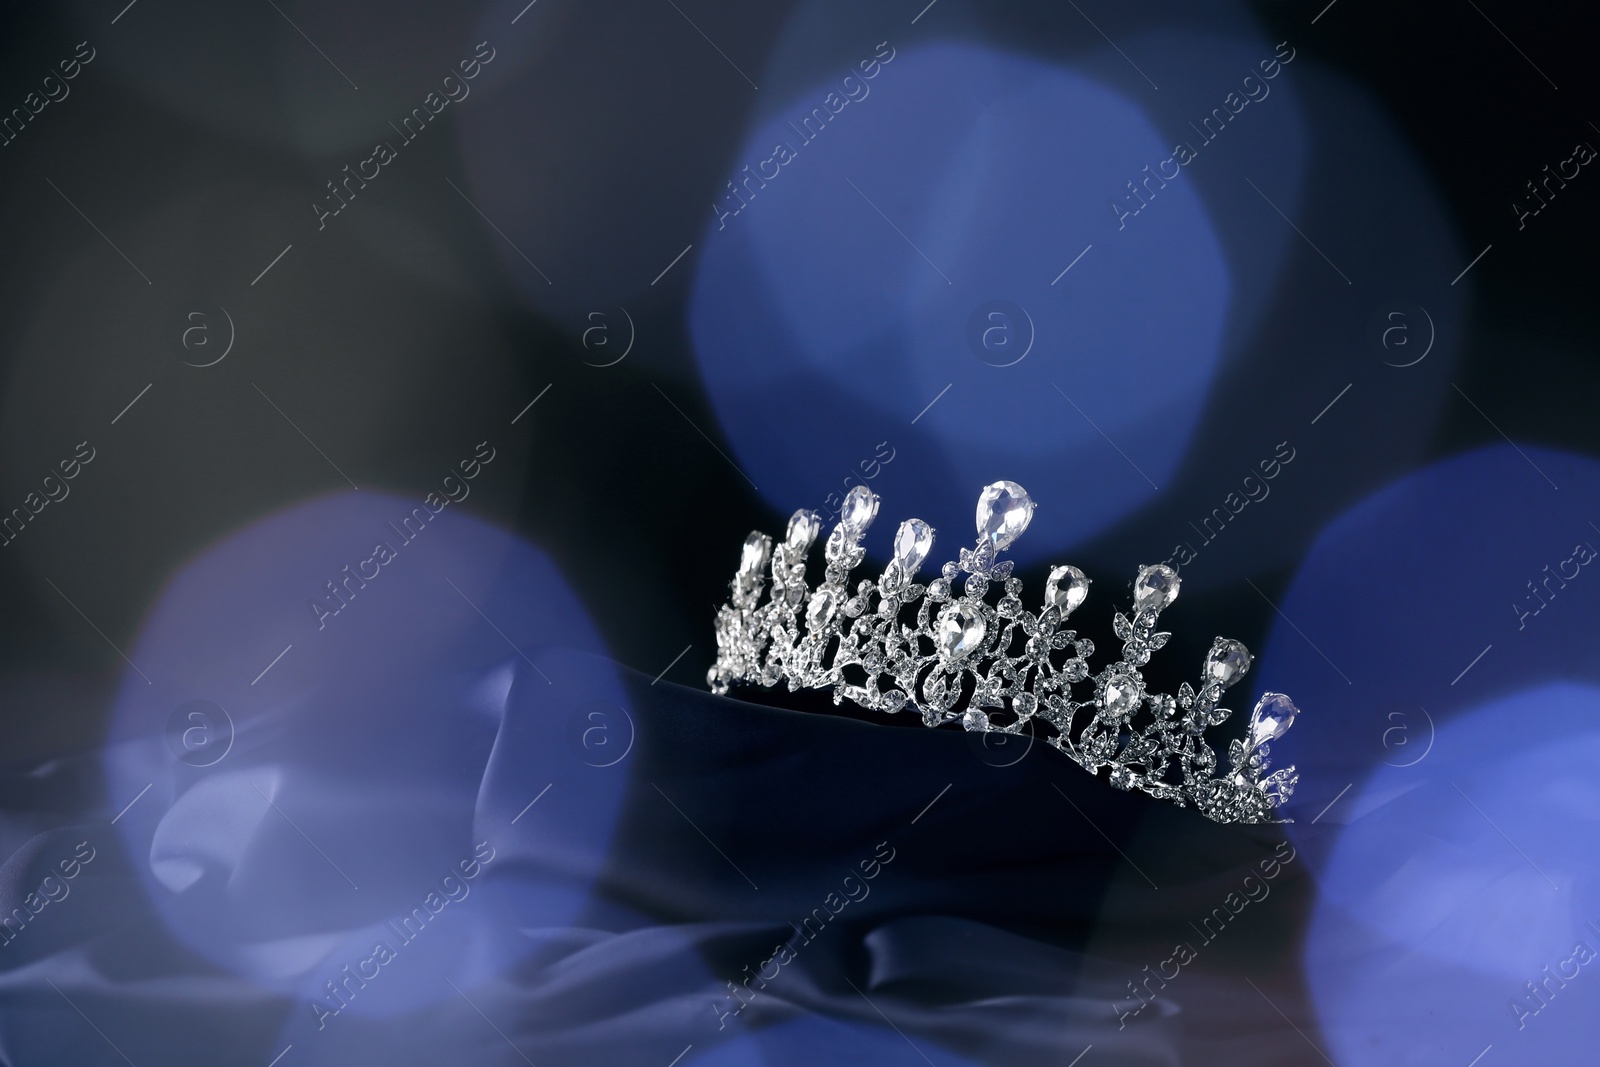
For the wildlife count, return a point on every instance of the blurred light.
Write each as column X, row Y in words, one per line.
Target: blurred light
column 910, row 246
column 298, row 783
column 1411, row 606
column 1461, row 882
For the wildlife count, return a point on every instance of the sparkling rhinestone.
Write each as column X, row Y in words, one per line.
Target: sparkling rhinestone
column 803, row 529
column 1004, row 511
column 1121, row 694
column 859, row 509
column 976, row 585
column 1227, row 662
column 822, row 607
column 1272, row 718
column 1024, row 704
column 978, row 560
column 1099, row 747
column 757, row 550
column 1156, row 587
column 893, row 700
column 939, row 589
column 960, row 631
column 912, row 543
column 1065, row 590
column 975, row 720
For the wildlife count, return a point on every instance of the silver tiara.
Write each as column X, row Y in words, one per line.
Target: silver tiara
column 961, row 661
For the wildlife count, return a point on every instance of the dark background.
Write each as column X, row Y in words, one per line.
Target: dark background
column 394, row 350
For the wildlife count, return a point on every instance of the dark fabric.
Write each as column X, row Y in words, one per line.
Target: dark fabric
column 1001, row 924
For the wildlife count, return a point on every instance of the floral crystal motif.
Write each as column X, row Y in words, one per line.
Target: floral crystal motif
column 995, row 667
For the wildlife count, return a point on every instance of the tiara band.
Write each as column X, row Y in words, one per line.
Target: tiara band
column 960, row 659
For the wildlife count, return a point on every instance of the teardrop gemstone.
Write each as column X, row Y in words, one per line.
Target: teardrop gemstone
column 757, row 550
column 803, row 529
column 1065, row 589
column 912, row 543
column 960, row 631
column 1271, row 719
column 1227, row 662
column 859, row 509
column 1004, row 511
column 1155, row 588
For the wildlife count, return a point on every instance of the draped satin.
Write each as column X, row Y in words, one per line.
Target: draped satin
column 1004, row 930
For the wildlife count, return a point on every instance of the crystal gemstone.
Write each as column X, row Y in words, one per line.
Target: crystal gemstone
column 1004, row 511
column 960, row 631
column 1227, row 662
column 859, row 509
column 1066, row 589
column 1122, row 694
column 1272, row 718
column 912, row 543
column 1155, row 588
column 822, row 607
column 803, row 529
column 757, row 550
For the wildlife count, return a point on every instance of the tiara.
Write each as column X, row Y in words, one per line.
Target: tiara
column 961, row 661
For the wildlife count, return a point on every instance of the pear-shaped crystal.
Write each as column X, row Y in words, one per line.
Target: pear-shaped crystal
column 757, row 550
column 1121, row 694
column 823, row 604
column 912, row 543
column 1272, row 718
column 1227, row 662
column 1155, row 588
column 804, row 526
column 1004, row 511
column 1065, row 590
column 859, row 509
column 960, row 631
